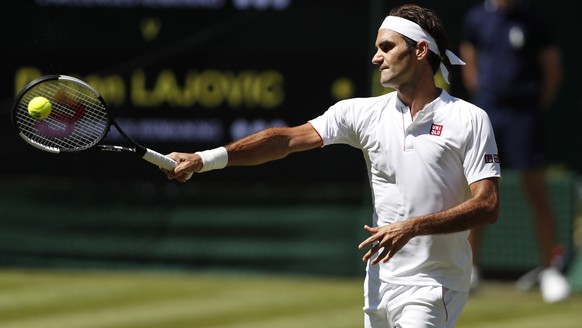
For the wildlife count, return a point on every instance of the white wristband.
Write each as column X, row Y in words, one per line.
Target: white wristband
column 213, row 159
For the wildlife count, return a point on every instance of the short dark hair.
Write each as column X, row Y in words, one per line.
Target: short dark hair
column 429, row 21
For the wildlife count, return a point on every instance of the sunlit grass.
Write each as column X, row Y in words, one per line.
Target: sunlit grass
column 90, row 299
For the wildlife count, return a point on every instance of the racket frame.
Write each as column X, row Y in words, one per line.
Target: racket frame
column 145, row 153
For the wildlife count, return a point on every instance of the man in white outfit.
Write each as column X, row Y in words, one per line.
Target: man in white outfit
column 432, row 166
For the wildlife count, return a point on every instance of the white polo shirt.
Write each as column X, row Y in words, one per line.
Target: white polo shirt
column 416, row 168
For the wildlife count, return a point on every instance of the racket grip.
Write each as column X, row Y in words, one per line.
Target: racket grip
column 158, row 159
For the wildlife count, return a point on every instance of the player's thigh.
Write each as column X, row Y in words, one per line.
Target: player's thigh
column 426, row 307
column 375, row 313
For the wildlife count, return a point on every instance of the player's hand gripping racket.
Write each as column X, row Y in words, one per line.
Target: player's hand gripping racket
column 79, row 120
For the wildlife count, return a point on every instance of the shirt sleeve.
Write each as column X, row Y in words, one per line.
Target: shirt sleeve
column 336, row 125
column 481, row 156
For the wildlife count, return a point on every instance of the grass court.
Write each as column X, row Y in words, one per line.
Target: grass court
column 162, row 299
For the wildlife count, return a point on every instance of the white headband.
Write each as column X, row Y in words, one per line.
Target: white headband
column 416, row 33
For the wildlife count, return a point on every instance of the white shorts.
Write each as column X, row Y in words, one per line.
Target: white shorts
column 401, row 306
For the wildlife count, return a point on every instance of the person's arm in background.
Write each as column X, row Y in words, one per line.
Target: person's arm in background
column 468, row 54
column 550, row 60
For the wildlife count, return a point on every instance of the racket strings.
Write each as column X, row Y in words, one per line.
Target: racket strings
column 78, row 119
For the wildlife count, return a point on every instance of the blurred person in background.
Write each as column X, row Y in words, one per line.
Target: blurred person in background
column 513, row 71
column 432, row 166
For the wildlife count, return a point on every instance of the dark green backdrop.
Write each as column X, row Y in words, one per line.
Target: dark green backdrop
column 303, row 214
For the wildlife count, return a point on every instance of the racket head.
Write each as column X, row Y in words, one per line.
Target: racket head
column 79, row 118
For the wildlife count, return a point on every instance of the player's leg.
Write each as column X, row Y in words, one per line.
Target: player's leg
column 375, row 313
column 425, row 306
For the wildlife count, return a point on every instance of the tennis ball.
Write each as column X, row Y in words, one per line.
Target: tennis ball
column 39, row 108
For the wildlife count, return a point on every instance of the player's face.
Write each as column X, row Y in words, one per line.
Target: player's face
column 394, row 59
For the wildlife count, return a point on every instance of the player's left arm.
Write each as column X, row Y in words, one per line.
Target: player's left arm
column 481, row 208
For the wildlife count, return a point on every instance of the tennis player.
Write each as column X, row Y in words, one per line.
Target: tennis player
column 433, row 169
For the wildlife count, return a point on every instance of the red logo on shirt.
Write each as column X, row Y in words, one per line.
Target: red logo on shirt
column 436, row 130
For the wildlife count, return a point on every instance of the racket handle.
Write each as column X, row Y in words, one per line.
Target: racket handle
column 158, row 159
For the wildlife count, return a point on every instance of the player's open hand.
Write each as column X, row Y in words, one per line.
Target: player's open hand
column 386, row 240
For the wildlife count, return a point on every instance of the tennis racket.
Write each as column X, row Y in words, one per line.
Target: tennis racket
column 79, row 120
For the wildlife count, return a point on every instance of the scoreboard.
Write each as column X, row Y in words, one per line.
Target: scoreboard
column 188, row 75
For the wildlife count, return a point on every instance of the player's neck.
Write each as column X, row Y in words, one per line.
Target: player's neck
column 417, row 98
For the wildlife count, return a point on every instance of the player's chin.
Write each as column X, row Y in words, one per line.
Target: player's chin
column 387, row 79
column 387, row 83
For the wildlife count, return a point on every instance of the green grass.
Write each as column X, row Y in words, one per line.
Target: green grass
column 90, row 299
column 501, row 305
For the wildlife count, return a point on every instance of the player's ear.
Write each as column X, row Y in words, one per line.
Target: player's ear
column 421, row 49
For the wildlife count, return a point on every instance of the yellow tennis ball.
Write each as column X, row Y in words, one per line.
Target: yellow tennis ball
column 39, row 108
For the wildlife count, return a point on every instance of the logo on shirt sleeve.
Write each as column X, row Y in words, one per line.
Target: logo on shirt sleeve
column 436, row 130
column 491, row 158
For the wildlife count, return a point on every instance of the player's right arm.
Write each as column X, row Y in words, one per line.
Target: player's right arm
column 272, row 144
column 258, row 148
